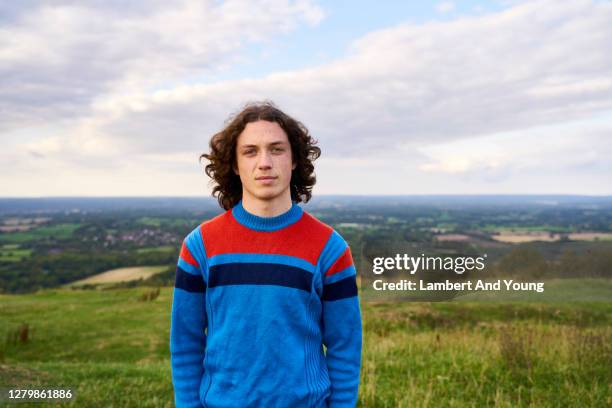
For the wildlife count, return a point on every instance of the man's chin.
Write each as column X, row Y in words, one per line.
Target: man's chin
column 268, row 195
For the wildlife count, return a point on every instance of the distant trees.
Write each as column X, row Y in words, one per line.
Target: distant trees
column 523, row 262
column 592, row 263
column 529, row 263
column 49, row 270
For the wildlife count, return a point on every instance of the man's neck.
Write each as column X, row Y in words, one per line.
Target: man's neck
column 267, row 208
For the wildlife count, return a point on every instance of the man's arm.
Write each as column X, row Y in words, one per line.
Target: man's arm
column 187, row 336
column 341, row 323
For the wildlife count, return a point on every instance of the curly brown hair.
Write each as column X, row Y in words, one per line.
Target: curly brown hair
column 222, row 156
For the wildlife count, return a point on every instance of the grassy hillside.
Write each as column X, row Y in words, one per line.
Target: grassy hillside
column 111, row 348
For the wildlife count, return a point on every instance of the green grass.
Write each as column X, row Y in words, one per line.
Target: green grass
column 163, row 222
column 98, row 325
column 163, row 248
column 149, row 221
column 58, row 231
column 112, row 350
column 14, row 255
column 97, row 384
column 452, row 354
column 524, row 229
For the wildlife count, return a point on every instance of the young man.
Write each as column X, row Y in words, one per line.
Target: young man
column 261, row 288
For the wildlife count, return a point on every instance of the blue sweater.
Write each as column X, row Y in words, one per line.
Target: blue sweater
column 255, row 300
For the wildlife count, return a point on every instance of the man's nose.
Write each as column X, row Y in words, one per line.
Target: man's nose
column 265, row 160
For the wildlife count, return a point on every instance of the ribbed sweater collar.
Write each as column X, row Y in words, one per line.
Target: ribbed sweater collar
column 266, row 223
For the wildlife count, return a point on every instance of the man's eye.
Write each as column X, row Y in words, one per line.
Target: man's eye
column 277, row 150
column 248, row 152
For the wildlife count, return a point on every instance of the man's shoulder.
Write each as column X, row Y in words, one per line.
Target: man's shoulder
column 314, row 224
column 329, row 235
column 216, row 223
column 333, row 244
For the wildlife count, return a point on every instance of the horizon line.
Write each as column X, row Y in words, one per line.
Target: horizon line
column 327, row 195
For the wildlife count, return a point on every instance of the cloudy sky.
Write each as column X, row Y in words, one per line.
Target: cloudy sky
column 119, row 98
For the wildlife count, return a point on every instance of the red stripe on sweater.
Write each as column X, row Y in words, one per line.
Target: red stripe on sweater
column 187, row 257
column 344, row 261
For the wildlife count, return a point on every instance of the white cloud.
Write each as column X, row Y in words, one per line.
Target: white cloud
column 411, row 84
column 445, row 6
column 580, row 147
column 59, row 58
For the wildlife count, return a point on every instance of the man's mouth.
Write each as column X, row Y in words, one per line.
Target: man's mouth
column 265, row 178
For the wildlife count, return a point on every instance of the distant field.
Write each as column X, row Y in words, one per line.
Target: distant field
column 452, row 237
column 58, row 231
column 150, row 221
column 492, row 228
column 163, row 248
column 21, row 224
column 590, row 236
column 161, row 222
column 12, row 253
column 520, row 237
column 113, row 350
column 120, row 275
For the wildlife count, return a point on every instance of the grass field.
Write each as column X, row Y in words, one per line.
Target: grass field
column 57, row 231
column 12, row 253
column 163, row 248
column 513, row 237
column 112, row 349
column 450, row 354
column 120, row 275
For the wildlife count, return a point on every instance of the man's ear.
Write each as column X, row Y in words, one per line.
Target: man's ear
column 235, row 170
column 294, row 165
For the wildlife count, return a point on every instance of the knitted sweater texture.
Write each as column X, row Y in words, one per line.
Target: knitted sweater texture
column 254, row 302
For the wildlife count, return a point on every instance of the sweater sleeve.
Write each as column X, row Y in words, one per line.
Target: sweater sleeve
column 187, row 335
column 341, row 323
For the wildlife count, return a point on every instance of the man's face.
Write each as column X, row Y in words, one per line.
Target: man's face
column 264, row 161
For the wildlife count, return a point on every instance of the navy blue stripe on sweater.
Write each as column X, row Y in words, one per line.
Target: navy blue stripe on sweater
column 189, row 282
column 342, row 289
column 248, row 273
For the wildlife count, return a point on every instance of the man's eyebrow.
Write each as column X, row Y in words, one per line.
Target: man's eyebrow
column 279, row 142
